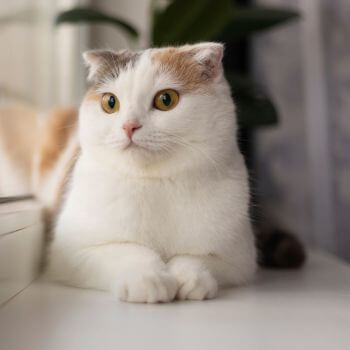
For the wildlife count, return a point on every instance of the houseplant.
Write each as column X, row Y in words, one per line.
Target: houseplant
column 220, row 20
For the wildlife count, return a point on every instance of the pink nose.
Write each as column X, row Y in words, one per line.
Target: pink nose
column 130, row 127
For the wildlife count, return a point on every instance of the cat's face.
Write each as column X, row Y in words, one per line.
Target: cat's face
column 156, row 106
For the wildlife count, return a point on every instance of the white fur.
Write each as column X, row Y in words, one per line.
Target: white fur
column 169, row 217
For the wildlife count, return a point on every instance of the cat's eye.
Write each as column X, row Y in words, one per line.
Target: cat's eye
column 110, row 103
column 166, row 100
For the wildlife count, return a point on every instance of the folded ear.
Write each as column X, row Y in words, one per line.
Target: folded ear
column 95, row 60
column 102, row 63
column 209, row 55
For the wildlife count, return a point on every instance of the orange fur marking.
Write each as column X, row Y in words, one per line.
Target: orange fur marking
column 56, row 135
column 181, row 64
column 92, row 95
column 18, row 136
column 62, row 122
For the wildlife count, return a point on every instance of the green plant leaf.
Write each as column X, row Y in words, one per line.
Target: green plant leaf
column 186, row 21
column 254, row 109
column 88, row 15
column 248, row 20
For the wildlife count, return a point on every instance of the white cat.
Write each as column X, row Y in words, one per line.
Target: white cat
column 156, row 207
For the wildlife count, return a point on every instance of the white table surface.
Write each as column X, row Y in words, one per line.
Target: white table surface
column 306, row 309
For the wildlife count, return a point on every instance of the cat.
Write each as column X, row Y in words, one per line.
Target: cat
column 18, row 132
column 154, row 206
column 49, row 144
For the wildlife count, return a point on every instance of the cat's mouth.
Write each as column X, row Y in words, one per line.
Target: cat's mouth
column 132, row 145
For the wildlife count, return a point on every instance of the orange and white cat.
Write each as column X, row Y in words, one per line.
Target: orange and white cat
column 156, row 203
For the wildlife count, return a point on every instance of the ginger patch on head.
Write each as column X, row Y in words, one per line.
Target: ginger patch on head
column 92, row 95
column 193, row 66
column 181, row 66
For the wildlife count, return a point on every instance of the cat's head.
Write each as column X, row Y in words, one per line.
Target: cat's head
column 159, row 109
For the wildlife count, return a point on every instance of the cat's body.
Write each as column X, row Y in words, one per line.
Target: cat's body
column 171, row 216
column 157, row 209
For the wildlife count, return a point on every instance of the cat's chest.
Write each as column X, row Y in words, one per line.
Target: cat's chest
column 160, row 213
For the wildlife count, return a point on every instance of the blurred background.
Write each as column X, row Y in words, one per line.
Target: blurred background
column 288, row 63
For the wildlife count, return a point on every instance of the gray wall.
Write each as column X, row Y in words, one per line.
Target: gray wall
column 336, row 34
column 303, row 165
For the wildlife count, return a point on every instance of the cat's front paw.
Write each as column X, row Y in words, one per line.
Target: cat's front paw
column 147, row 286
column 195, row 281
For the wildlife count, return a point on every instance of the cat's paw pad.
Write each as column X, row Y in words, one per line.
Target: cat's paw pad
column 147, row 287
column 195, row 283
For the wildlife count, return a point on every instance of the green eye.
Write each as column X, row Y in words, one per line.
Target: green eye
column 110, row 103
column 166, row 100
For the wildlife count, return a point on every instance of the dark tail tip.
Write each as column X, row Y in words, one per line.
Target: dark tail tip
column 280, row 249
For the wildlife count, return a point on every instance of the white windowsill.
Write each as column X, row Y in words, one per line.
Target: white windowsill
column 21, row 237
column 305, row 309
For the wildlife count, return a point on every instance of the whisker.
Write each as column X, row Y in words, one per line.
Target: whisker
column 181, row 141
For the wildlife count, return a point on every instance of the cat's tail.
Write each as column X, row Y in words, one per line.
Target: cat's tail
column 279, row 249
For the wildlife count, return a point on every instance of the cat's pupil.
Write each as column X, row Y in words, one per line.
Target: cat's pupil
column 111, row 102
column 166, row 99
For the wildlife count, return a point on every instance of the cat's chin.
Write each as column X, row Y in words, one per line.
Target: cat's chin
column 137, row 153
column 138, row 160
column 139, row 156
